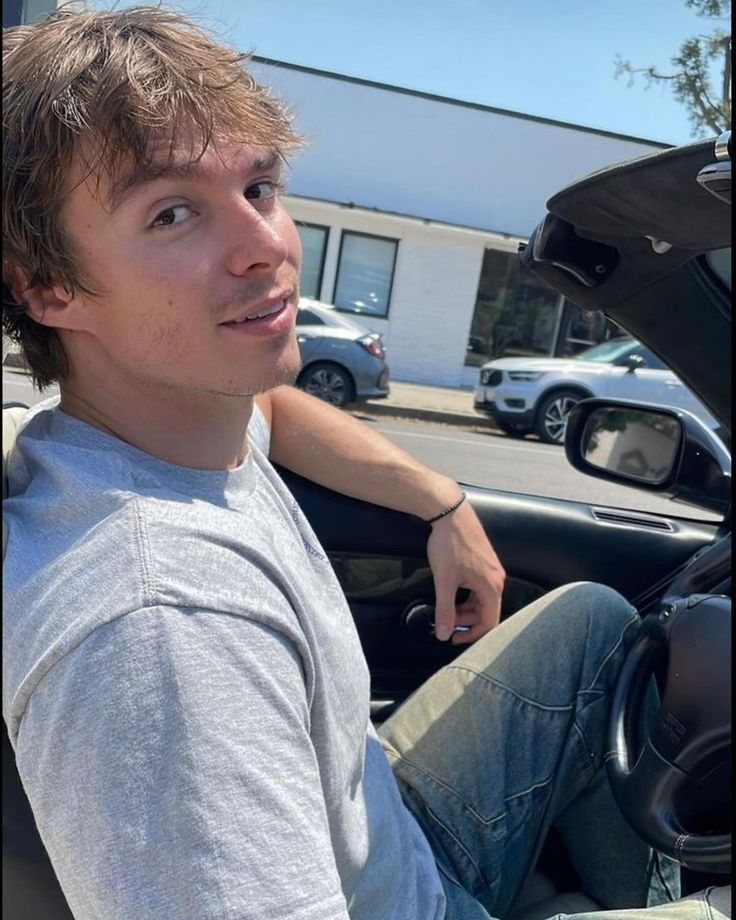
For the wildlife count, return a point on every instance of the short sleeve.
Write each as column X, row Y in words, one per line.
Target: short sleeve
column 170, row 768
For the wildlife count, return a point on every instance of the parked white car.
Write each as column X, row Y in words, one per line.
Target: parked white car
column 525, row 395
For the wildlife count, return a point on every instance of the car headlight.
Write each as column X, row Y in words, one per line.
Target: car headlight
column 490, row 377
column 524, row 376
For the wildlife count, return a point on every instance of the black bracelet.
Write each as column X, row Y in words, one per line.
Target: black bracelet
column 449, row 510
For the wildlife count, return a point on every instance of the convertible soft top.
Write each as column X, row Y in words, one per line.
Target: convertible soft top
column 647, row 197
column 630, row 241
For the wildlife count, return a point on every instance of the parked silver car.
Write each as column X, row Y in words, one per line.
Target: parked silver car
column 525, row 394
column 341, row 360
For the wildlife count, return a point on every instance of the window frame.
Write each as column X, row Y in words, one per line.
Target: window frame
column 321, row 276
column 370, row 236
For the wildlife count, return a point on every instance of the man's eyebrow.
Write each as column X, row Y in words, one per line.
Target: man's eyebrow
column 136, row 180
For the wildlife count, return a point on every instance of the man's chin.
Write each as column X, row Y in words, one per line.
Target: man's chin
column 276, row 377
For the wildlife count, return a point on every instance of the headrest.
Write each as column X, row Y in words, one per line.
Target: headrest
column 13, row 416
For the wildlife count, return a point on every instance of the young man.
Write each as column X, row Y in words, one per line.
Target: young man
column 183, row 684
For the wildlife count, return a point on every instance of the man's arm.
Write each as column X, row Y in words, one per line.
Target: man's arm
column 171, row 771
column 330, row 447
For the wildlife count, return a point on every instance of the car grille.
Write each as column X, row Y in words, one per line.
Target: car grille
column 490, row 378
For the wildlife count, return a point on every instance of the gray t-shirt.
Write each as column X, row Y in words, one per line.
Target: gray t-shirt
column 187, row 697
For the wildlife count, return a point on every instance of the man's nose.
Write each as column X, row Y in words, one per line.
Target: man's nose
column 255, row 241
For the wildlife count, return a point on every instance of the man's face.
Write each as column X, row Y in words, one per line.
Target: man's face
column 199, row 276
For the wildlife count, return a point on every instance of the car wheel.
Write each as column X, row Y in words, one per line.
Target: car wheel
column 512, row 429
column 329, row 382
column 552, row 413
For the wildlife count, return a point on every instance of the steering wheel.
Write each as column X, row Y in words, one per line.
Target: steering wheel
column 673, row 784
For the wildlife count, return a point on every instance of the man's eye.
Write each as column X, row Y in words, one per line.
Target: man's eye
column 173, row 215
column 265, row 190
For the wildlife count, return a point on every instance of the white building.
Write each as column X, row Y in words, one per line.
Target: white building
column 411, row 208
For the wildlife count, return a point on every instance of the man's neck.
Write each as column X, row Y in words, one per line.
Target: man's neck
column 202, row 431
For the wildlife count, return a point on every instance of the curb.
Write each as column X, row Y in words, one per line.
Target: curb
column 461, row 419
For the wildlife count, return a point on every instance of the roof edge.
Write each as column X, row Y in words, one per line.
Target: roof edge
column 449, row 100
column 371, row 210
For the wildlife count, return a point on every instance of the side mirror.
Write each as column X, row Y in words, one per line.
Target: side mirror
column 716, row 177
column 631, row 362
column 655, row 448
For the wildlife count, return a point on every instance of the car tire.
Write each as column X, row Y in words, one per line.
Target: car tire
column 329, row 382
column 512, row 429
column 551, row 417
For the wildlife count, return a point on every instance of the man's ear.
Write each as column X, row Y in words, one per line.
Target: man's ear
column 48, row 306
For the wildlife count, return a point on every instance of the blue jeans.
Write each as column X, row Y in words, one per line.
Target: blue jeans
column 508, row 740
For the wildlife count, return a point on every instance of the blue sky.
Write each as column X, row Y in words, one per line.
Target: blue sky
column 541, row 57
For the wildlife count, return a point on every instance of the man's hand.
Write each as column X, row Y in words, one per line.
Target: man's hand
column 330, row 447
column 461, row 556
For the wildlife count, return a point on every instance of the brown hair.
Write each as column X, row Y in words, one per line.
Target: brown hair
column 106, row 89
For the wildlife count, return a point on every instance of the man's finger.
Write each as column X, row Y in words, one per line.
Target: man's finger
column 444, row 611
column 488, row 610
column 465, row 638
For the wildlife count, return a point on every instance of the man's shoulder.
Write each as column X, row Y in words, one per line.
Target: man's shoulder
column 93, row 536
column 142, row 556
column 81, row 562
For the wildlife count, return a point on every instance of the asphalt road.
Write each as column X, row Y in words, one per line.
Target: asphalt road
column 481, row 458
column 496, row 461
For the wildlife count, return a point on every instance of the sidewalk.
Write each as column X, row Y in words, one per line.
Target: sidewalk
column 433, row 404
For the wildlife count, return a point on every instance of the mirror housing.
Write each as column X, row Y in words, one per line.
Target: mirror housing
column 631, row 362
column 656, row 448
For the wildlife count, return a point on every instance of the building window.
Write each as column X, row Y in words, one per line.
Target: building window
column 365, row 273
column 580, row 329
column 314, row 247
column 515, row 313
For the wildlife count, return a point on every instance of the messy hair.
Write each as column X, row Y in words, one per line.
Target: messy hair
column 107, row 90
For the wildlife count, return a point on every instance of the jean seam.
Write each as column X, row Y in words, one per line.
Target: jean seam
column 562, row 707
column 614, row 649
column 461, row 846
column 453, row 793
column 665, row 884
column 706, row 903
column 484, row 822
column 589, row 758
column 447, row 874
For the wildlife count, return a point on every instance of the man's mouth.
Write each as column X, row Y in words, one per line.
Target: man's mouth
column 270, row 311
column 271, row 316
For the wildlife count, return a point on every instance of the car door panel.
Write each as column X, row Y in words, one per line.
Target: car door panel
column 379, row 558
column 310, row 343
column 657, row 387
column 645, row 384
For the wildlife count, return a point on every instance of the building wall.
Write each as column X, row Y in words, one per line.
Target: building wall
column 384, row 148
column 16, row 12
column 470, row 176
column 433, row 296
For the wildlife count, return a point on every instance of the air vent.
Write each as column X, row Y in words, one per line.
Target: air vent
column 629, row 519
